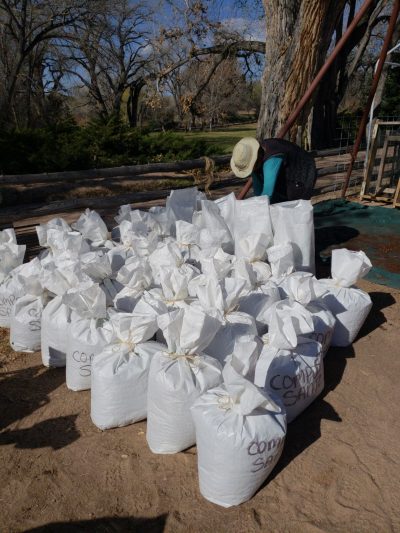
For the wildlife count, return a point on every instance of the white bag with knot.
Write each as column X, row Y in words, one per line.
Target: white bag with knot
column 135, row 277
column 307, row 291
column 58, row 279
column 120, row 371
column 188, row 239
column 97, row 266
column 86, row 334
column 293, row 222
column 11, row 253
column 240, row 434
column 281, row 260
column 169, row 255
column 214, row 232
column 291, row 366
column 92, row 227
column 214, row 263
column 349, row 305
column 221, row 300
column 26, row 316
column 179, row 374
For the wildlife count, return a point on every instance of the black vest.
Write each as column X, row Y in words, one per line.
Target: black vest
column 297, row 174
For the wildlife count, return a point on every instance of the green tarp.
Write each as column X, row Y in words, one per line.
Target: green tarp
column 375, row 230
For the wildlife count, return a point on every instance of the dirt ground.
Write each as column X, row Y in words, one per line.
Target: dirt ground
column 339, row 470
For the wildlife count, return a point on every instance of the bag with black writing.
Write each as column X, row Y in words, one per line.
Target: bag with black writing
column 11, row 259
column 240, row 434
column 290, row 365
column 87, row 334
column 179, row 373
column 221, row 300
column 26, row 316
column 349, row 305
column 120, row 371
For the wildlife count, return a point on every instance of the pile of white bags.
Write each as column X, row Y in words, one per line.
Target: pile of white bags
column 203, row 317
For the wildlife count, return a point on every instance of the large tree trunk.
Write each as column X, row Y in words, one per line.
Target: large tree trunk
column 299, row 33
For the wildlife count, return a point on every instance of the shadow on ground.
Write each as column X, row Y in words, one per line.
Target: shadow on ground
column 106, row 525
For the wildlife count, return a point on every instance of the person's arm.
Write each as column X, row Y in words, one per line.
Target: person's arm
column 271, row 170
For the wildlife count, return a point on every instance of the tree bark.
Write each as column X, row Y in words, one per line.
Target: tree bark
column 299, row 33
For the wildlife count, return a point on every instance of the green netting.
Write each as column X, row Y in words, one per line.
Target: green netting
column 375, row 230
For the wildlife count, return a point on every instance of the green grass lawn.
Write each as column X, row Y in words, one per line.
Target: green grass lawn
column 224, row 139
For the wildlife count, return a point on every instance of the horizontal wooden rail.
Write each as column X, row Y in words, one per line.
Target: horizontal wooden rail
column 132, row 172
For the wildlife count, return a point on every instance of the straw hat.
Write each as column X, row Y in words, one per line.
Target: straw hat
column 244, row 156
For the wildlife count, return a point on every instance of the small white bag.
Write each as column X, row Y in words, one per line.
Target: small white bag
column 92, row 227
column 281, row 260
column 120, row 371
column 240, row 434
column 213, row 230
column 294, row 222
column 10, row 290
column 349, row 305
column 179, row 374
column 135, row 277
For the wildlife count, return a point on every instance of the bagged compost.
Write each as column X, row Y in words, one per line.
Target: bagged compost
column 120, row 371
column 221, row 300
column 281, row 260
column 92, row 227
column 257, row 297
column 54, row 333
column 26, row 315
column 87, row 335
column 294, row 222
column 10, row 290
column 179, row 374
column 349, row 305
column 135, row 277
column 290, row 366
column 11, row 259
column 213, row 230
column 240, row 433
column 307, row 291
column 252, row 217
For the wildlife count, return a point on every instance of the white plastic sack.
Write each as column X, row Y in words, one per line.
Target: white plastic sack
column 281, row 259
column 135, row 277
column 349, row 305
column 182, row 202
column 252, row 217
column 92, row 227
column 87, row 338
column 25, row 323
column 11, row 257
column 10, row 290
column 307, row 291
column 221, row 299
column 240, row 434
column 294, row 222
column 54, row 333
column 296, row 375
column 213, row 230
column 120, row 372
column 178, row 376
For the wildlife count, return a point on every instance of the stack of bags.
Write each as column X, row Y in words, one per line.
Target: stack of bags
column 202, row 317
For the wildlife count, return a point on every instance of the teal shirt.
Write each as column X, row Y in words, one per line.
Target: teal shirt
column 271, row 169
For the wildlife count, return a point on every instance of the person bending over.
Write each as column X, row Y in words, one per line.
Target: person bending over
column 280, row 169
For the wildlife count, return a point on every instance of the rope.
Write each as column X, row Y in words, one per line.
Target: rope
column 207, row 177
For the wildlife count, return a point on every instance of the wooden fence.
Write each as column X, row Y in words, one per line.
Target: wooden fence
column 331, row 166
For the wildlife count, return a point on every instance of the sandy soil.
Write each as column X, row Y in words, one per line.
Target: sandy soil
column 339, row 470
